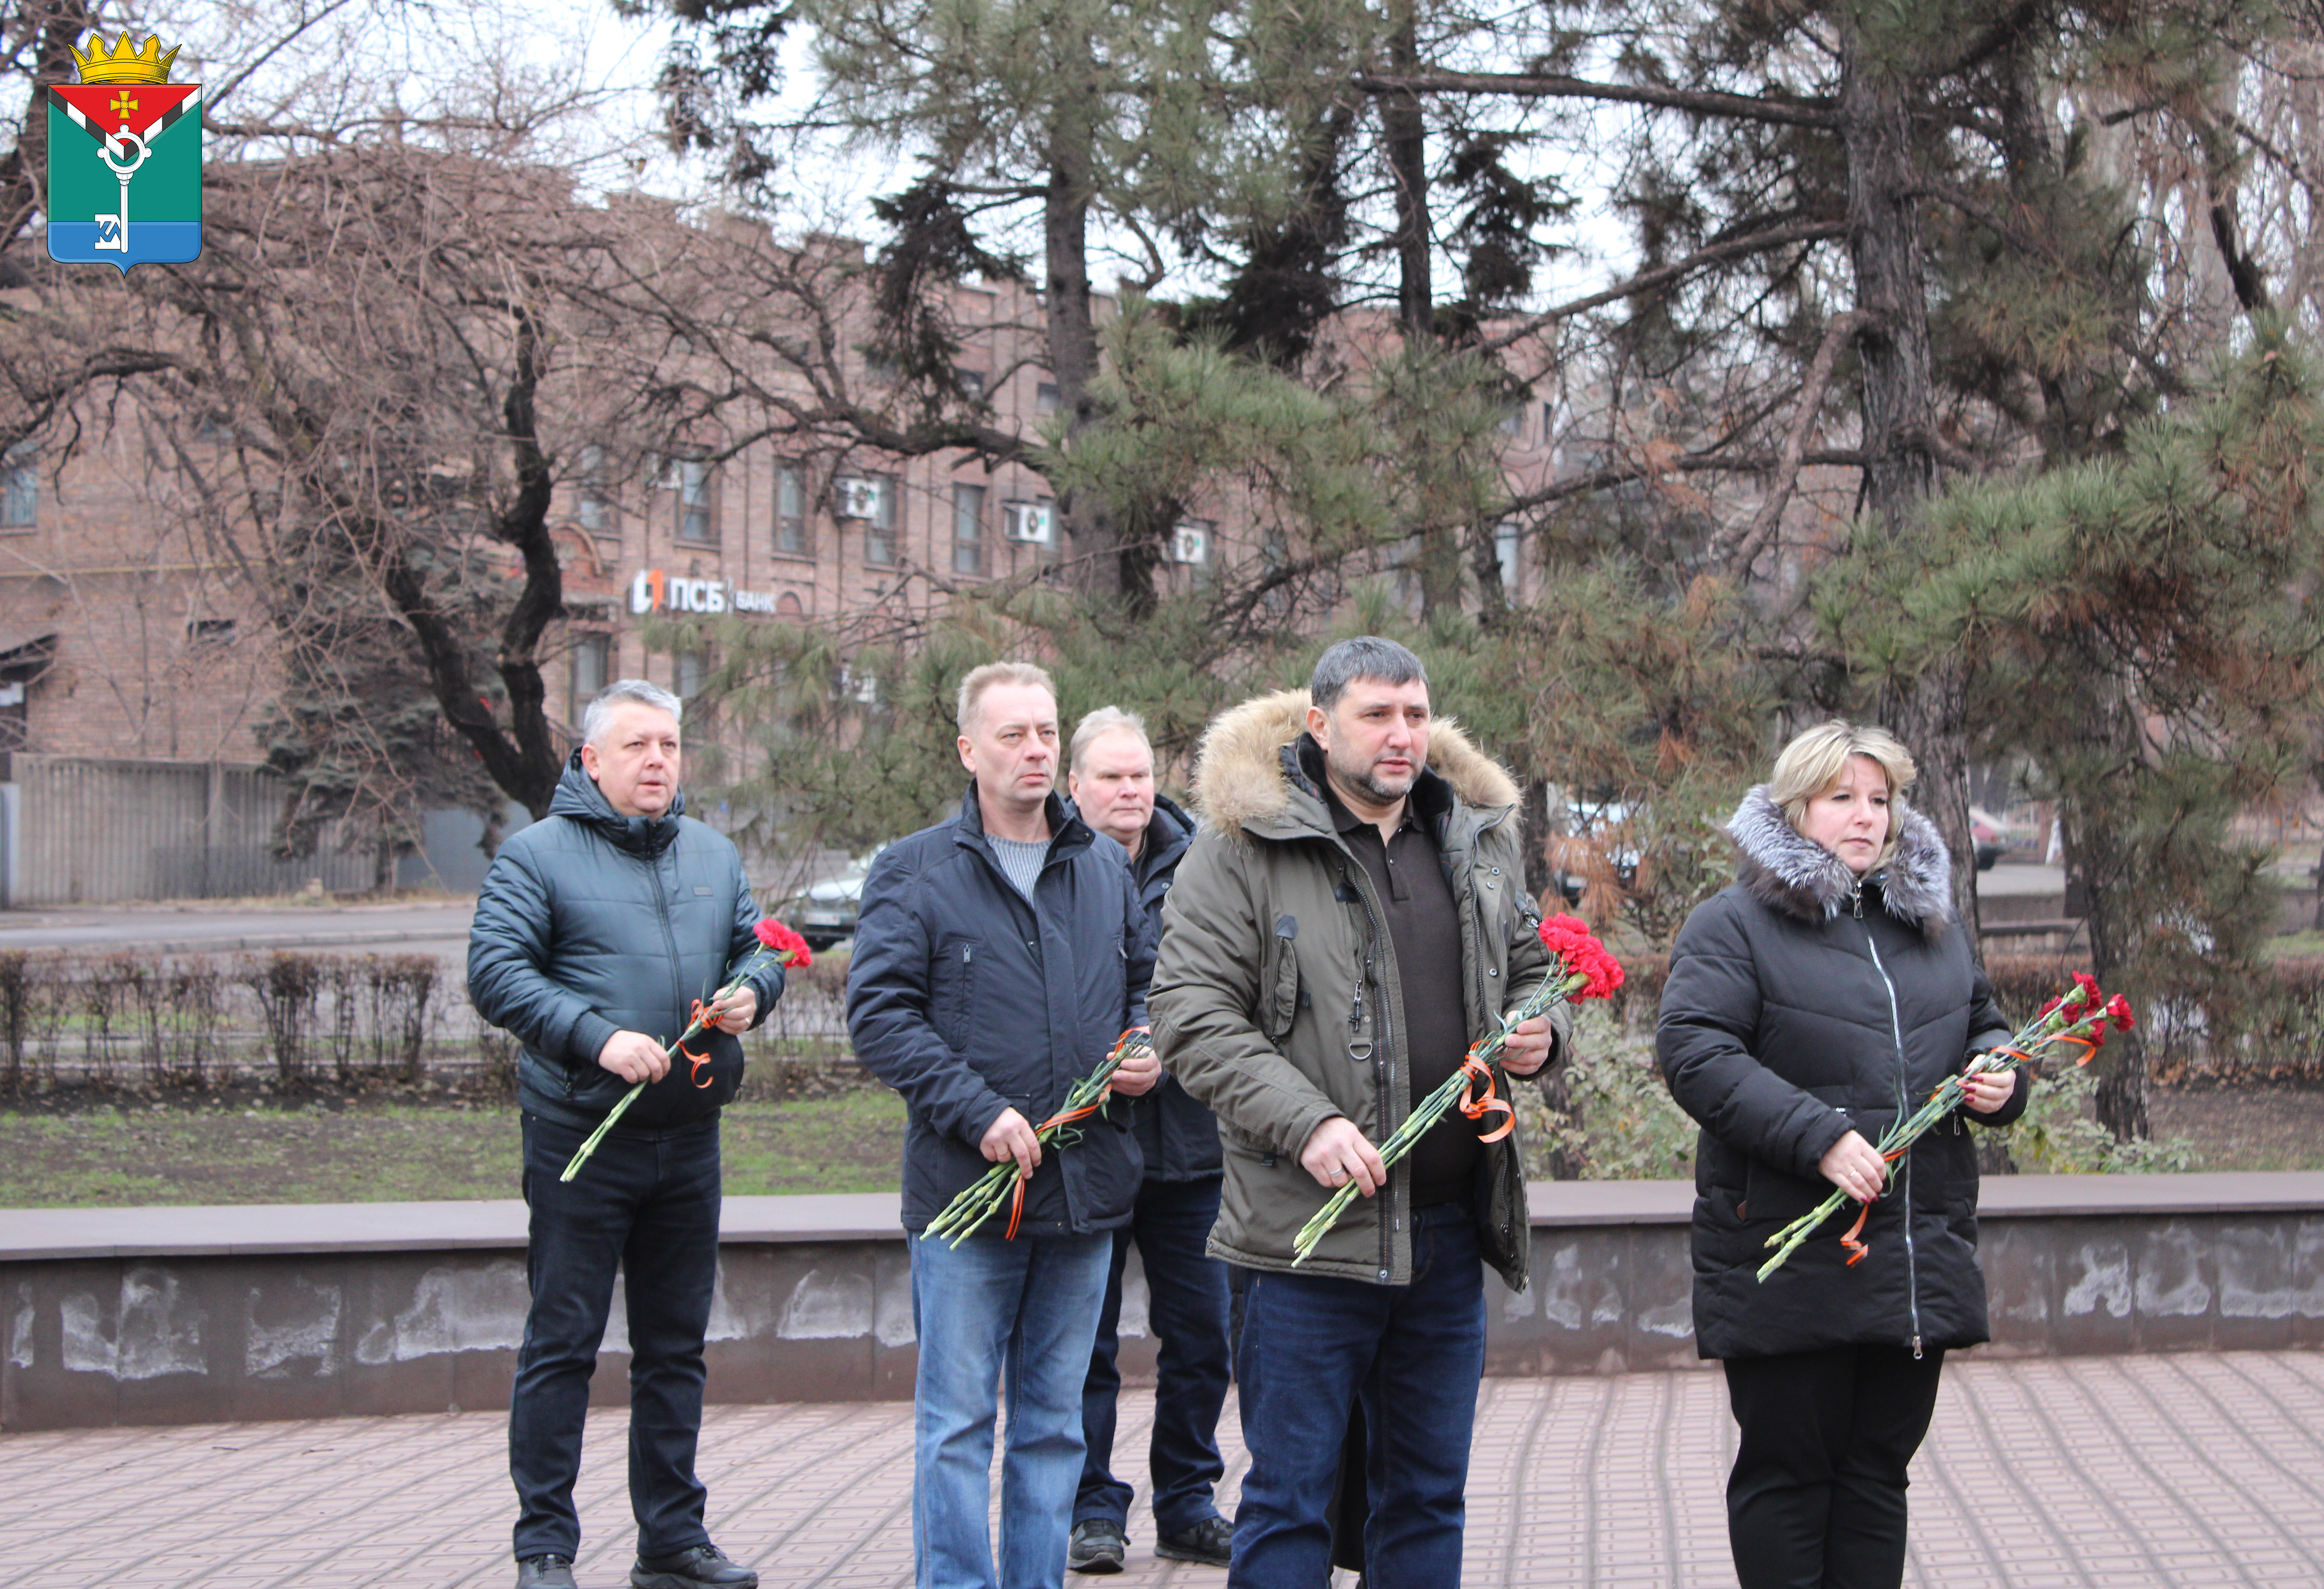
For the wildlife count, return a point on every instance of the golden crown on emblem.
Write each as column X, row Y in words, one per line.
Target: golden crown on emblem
column 125, row 63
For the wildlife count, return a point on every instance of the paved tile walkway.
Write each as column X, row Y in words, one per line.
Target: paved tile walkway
column 2145, row 1473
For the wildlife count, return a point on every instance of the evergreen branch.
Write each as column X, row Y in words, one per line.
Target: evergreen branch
column 2004, row 31
column 1843, row 329
column 1810, row 231
column 1706, row 102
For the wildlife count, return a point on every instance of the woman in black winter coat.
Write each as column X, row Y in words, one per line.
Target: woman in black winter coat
column 1822, row 996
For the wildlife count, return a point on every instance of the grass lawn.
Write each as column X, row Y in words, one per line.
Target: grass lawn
column 146, row 1154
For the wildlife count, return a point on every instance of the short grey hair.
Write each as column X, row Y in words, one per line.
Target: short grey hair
column 599, row 717
column 980, row 679
column 1104, row 720
column 1367, row 656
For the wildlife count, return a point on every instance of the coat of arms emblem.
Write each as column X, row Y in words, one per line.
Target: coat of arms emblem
column 125, row 160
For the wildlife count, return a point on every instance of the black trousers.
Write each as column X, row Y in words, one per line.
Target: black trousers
column 1816, row 1499
column 647, row 1203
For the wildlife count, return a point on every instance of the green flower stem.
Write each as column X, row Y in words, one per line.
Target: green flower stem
column 1429, row 1111
column 984, row 1196
column 1912, row 1127
column 581, row 1156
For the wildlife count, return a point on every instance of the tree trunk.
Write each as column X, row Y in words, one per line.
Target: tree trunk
column 1403, row 131
column 1898, row 405
column 2096, row 856
column 1089, row 529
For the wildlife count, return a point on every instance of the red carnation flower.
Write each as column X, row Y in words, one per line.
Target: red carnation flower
column 2119, row 1008
column 1569, row 938
column 788, row 947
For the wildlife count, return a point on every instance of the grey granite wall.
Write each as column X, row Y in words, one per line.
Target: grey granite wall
column 179, row 1315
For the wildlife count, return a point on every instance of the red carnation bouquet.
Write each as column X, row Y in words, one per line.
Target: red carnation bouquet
column 1590, row 973
column 776, row 942
column 2076, row 1019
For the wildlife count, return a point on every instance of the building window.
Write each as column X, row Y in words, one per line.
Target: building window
column 968, row 529
column 876, row 507
column 20, row 487
column 1046, row 398
column 590, row 509
column 790, row 512
column 969, row 382
column 1508, row 549
column 689, row 480
column 207, row 633
column 693, row 668
column 585, row 674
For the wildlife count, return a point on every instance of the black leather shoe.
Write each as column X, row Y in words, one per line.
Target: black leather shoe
column 1210, row 1542
column 706, row 1566
column 1096, row 1545
column 544, row 1572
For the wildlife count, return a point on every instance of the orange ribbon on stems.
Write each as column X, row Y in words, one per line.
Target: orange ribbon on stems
column 2078, row 1019
column 776, row 940
column 982, row 1198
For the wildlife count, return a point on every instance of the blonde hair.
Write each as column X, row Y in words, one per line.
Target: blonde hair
column 980, row 679
column 1816, row 758
column 1104, row 720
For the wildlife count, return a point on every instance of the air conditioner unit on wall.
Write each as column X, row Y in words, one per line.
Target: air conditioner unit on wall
column 1190, row 542
column 1027, row 520
column 858, row 498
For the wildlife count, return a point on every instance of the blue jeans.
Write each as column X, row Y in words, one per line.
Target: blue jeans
column 649, row 1202
column 1311, row 1345
column 993, row 1310
column 1188, row 1313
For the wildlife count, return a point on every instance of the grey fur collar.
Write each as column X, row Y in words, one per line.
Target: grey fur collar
column 1790, row 873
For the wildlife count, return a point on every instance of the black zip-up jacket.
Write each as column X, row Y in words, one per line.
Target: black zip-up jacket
column 1801, row 1006
column 966, row 1002
column 591, row 923
column 1177, row 1137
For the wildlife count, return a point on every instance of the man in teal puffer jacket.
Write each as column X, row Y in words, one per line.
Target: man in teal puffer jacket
column 596, row 930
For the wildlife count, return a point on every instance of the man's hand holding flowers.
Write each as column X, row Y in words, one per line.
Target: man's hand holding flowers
column 634, row 1057
column 1526, row 1049
column 1011, row 1135
column 733, row 1010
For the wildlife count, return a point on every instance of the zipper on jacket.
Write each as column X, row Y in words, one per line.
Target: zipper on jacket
column 1897, row 1028
column 1380, row 1035
column 669, row 928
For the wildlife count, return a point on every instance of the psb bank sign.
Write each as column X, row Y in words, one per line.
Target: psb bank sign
column 653, row 591
column 125, row 160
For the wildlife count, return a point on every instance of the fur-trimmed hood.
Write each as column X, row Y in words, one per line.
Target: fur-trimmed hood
column 1788, row 871
column 1242, row 774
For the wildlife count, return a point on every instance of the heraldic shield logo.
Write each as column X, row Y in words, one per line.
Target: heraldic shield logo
column 125, row 160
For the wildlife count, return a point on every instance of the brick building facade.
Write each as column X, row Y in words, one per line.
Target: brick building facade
column 122, row 636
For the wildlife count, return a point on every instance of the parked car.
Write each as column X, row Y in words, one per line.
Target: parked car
column 1985, row 833
column 825, row 912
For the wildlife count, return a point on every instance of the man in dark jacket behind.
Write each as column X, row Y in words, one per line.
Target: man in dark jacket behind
column 1110, row 773
column 597, row 928
column 998, row 957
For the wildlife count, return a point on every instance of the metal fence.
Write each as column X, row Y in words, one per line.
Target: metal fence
column 81, row 831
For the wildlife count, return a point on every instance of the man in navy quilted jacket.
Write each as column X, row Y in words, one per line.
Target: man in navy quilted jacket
column 998, row 957
column 595, row 931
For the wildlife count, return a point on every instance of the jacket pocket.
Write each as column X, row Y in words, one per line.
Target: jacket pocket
column 952, row 995
column 1281, row 1003
column 1769, row 1193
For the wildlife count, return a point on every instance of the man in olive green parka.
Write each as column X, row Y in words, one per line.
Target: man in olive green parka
column 1350, row 917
